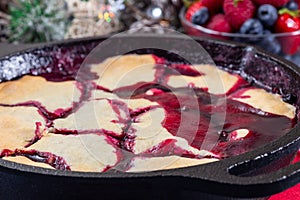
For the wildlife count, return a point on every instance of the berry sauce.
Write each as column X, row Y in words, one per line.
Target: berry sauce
column 191, row 114
column 54, row 161
column 206, row 121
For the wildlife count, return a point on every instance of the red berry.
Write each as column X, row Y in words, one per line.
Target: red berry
column 214, row 6
column 288, row 23
column 275, row 3
column 238, row 11
column 219, row 23
column 192, row 10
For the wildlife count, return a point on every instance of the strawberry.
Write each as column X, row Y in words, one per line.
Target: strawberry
column 214, row 6
column 238, row 11
column 219, row 23
column 288, row 21
column 275, row 3
column 192, row 10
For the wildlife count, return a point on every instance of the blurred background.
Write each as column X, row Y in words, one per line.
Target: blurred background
column 30, row 21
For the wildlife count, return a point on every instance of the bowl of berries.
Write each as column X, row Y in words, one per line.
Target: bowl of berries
column 273, row 25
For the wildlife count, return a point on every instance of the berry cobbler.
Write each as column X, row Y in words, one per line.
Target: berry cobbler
column 137, row 113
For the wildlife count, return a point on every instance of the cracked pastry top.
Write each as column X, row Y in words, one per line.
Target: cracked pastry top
column 140, row 113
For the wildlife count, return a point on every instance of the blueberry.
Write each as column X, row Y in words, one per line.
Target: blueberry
column 292, row 5
column 201, row 16
column 270, row 43
column 252, row 26
column 267, row 14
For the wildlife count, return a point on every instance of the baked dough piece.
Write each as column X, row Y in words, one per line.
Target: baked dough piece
column 18, row 126
column 109, row 114
column 150, row 133
column 94, row 115
column 90, row 152
column 142, row 164
column 267, row 102
column 52, row 95
column 131, row 103
column 125, row 70
column 215, row 80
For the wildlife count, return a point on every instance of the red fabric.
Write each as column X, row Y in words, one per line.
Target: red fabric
column 292, row 193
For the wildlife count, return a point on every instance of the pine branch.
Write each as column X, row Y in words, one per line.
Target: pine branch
column 37, row 20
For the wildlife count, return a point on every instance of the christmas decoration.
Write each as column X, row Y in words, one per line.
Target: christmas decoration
column 92, row 18
column 37, row 20
column 150, row 26
column 28, row 21
column 153, row 15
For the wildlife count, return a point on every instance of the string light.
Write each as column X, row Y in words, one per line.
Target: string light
column 106, row 14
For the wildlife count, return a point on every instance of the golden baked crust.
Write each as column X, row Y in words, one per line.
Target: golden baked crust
column 267, row 102
column 214, row 79
column 51, row 95
column 18, row 126
column 89, row 152
column 126, row 70
column 93, row 115
column 149, row 133
column 131, row 103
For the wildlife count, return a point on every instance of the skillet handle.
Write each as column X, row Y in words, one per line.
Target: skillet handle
column 264, row 185
column 254, row 174
column 263, row 176
column 269, row 183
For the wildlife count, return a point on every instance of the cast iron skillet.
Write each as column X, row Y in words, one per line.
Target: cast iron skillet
column 261, row 172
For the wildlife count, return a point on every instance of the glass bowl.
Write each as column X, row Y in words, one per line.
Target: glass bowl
column 286, row 45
